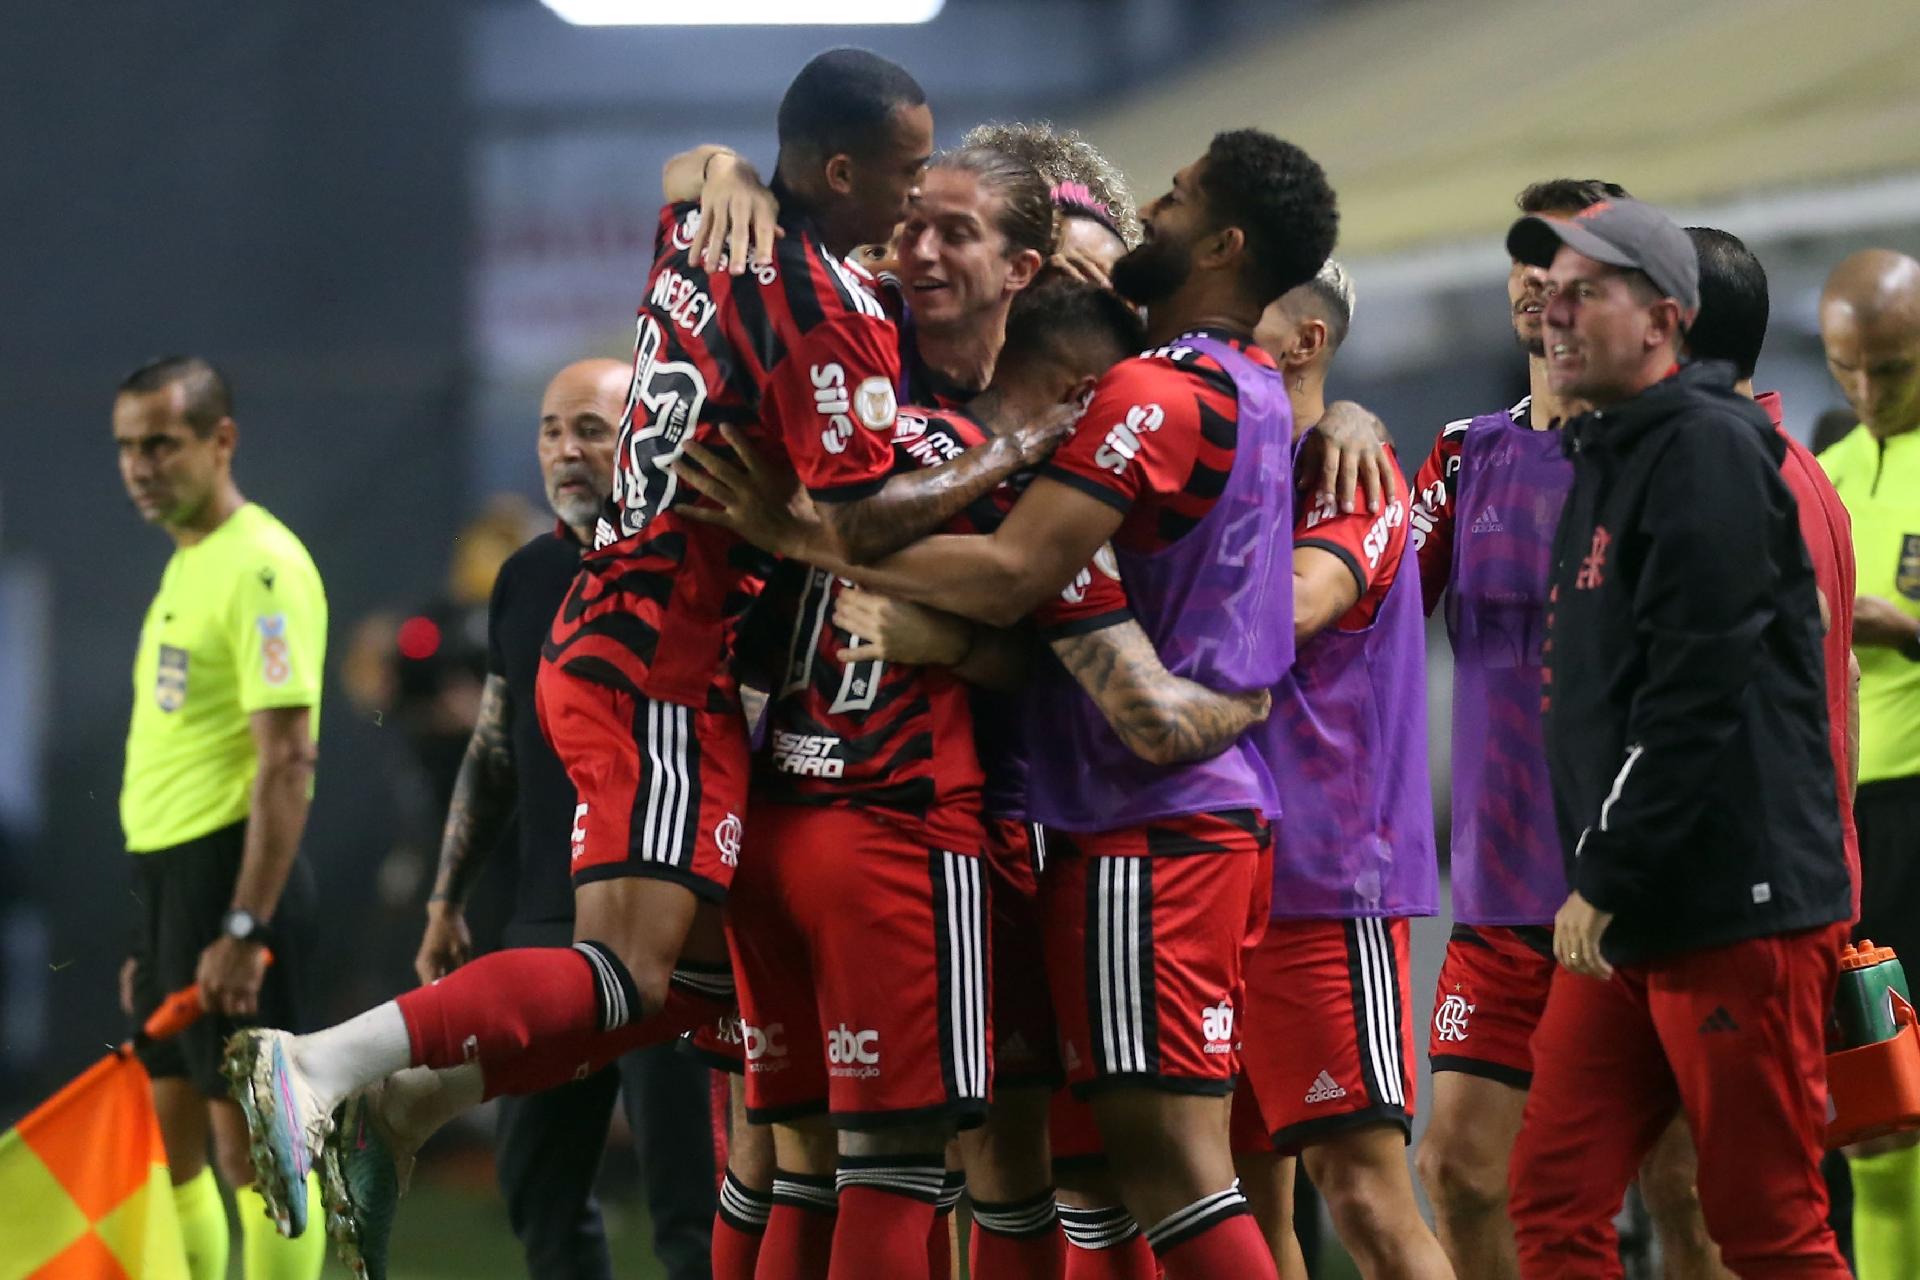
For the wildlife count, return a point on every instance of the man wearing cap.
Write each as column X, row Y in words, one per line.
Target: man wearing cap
column 1686, row 731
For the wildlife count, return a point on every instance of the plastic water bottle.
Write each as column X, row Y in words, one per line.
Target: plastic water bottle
column 1863, row 1003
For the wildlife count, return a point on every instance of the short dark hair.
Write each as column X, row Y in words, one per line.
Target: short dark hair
column 1281, row 201
column 208, row 398
column 1026, row 197
column 1568, row 195
column 1056, row 318
column 843, row 102
column 1732, row 322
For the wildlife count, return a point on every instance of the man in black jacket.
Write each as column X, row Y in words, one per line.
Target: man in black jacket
column 1686, row 736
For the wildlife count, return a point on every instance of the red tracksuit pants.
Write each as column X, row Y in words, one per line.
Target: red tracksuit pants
column 1733, row 1037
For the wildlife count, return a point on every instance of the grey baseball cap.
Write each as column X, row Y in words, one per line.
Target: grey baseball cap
column 1620, row 233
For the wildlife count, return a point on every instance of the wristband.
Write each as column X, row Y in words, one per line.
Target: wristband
column 1910, row 648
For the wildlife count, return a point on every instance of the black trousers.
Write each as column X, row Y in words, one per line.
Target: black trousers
column 548, row 1149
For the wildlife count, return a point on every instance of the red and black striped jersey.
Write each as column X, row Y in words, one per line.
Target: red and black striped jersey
column 799, row 355
column 895, row 739
column 1371, row 546
column 1157, row 441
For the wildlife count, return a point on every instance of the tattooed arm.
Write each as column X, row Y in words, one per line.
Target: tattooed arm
column 483, row 801
column 1161, row 717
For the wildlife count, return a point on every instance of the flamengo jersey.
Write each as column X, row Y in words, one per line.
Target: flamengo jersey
column 882, row 736
column 797, row 353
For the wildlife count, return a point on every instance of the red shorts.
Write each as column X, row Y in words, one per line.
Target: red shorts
column 721, row 1044
column 1145, row 930
column 1492, row 991
column 1328, row 1033
column 860, row 959
column 1025, row 1039
column 661, row 787
column 1073, row 1136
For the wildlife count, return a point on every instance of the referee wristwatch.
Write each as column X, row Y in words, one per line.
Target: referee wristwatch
column 242, row 925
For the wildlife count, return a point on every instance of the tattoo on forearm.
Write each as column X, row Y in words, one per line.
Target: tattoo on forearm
column 914, row 504
column 1160, row 717
column 483, row 797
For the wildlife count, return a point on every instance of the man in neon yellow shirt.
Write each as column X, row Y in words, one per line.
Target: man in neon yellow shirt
column 219, row 770
column 1870, row 323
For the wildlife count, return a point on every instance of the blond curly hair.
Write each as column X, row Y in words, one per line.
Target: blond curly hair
column 1063, row 155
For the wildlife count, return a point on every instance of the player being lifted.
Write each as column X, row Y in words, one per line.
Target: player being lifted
column 1183, row 461
column 636, row 689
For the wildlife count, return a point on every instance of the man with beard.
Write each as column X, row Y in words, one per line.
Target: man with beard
column 549, row 1144
column 1159, row 879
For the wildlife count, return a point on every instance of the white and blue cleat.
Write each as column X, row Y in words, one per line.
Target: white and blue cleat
column 283, row 1128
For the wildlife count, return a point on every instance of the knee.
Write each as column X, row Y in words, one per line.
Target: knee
column 1360, row 1201
column 1462, row 1182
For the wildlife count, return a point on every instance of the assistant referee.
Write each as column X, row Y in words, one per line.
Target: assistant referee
column 219, row 770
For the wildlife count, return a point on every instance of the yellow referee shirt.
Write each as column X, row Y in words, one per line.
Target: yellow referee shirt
column 239, row 625
column 1880, row 483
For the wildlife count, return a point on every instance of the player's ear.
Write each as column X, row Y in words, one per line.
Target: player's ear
column 1222, row 247
column 1080, row 390
column 1309, row 340
column 225, row 437
column 1025, row 266
column 840, row 174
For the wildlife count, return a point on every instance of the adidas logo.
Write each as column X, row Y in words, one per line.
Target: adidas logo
column 1489, row 521
column 1324, row 1089
column 1719, row 1020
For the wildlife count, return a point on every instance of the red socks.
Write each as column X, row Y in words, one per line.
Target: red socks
column 536, row 1017
column 798, row 1243
column 1018, row 1240
column 494, row 1008
column 1105, row 1244
column 738, row 1229
column 886, row 1216
column 1214, row 1236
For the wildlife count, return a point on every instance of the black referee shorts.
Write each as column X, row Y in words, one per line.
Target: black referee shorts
column 1887, row 814
column 181, row 894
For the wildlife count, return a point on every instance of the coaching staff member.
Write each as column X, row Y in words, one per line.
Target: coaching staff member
column 550, row 1143
column 219, row 770
column 1686, row 734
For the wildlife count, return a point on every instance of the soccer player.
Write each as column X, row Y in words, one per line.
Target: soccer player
column 1509, row 474
column 636, row 691
column 1870, row 323
column 219, row 772
column 1327, row 1064
column 549, row 1145
column 1097, row 219
column 1182, row 461
column 1686, row 734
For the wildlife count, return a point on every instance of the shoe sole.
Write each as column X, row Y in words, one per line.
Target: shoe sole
column 343, row 1223
column 249, row 1074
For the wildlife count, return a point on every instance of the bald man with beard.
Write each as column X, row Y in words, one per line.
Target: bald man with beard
column 1870, row 324
column 550, row 1143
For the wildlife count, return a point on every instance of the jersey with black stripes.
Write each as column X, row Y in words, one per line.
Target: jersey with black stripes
column 879, row 735
column 799, row 355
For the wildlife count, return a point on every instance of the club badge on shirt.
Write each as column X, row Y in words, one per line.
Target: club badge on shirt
column 274, row 664
column 170, row 684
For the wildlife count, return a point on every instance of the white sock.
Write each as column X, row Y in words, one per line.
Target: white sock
column 352, row 1054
